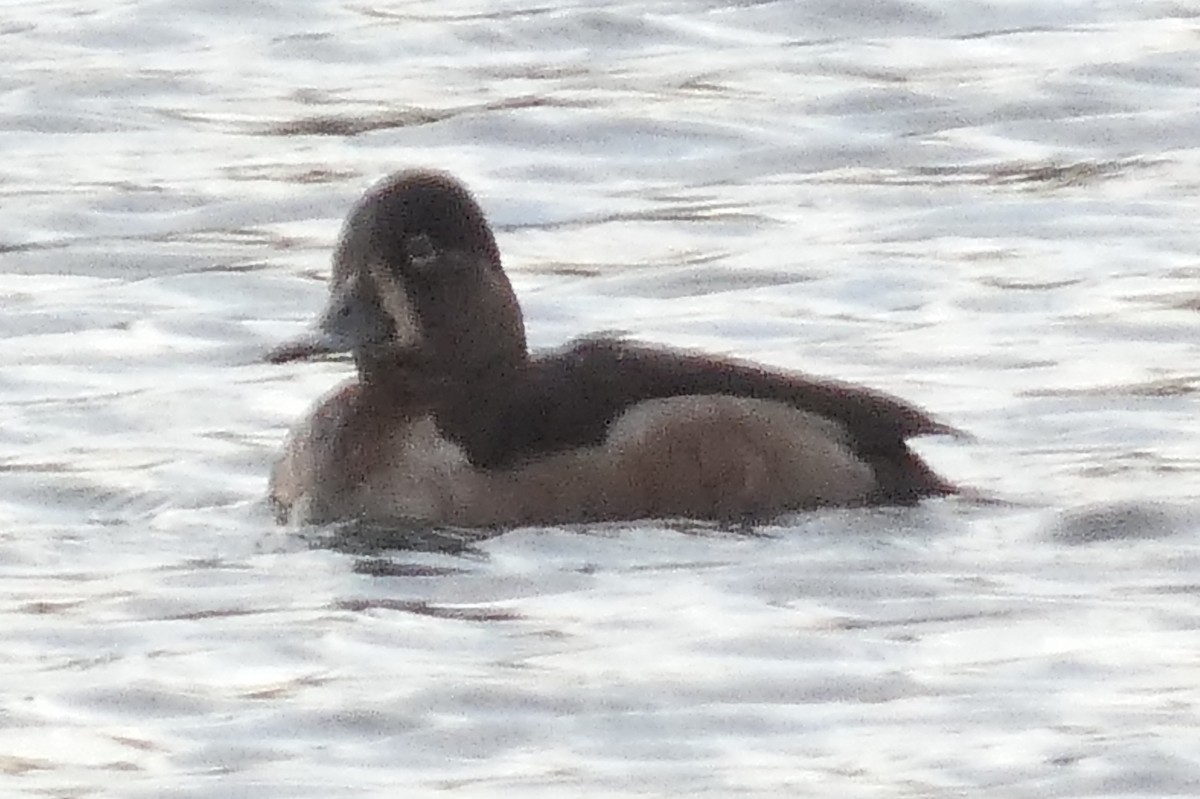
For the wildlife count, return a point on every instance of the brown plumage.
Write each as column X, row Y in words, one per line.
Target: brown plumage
column 452, row 421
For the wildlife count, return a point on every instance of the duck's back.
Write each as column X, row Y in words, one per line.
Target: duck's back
column 571, row 398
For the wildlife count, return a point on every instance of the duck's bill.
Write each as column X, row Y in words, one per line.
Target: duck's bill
column 313, row 345
column 346, row 324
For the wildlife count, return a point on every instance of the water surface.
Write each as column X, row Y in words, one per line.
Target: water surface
column 989, row 209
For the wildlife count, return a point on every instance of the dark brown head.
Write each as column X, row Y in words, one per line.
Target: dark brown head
column 417, row 283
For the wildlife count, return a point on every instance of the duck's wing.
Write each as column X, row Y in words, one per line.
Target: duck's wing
column 570, row 397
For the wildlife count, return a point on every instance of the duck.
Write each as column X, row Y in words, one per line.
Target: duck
column 450, row 420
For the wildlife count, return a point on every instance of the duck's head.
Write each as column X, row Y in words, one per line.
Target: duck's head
column 416, row 283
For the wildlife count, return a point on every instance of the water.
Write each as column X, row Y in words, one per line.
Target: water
column 986, row 208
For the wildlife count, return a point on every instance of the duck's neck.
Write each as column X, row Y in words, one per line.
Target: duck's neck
column 467, row 401
column 433, row 383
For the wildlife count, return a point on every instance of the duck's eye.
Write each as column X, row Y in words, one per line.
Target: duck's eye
column 418, row 246
column 421, row 254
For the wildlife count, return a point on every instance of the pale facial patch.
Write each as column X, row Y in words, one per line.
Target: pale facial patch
column 393, row 298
